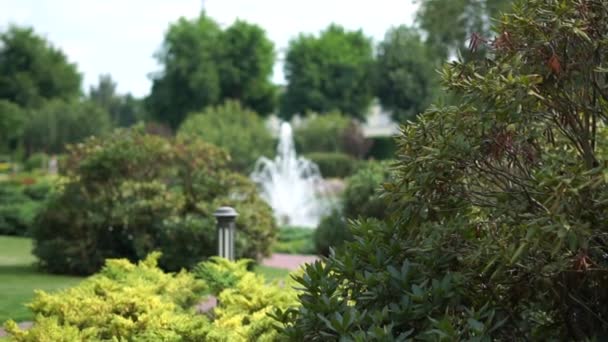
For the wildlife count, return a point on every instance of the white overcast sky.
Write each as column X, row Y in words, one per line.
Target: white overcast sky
column 119, row 37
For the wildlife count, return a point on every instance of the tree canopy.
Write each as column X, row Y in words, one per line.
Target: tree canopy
column 406, row 81
column 204, row 65
column 450, row 24
column 32, row 70
column 329, row 72
column 124, row 110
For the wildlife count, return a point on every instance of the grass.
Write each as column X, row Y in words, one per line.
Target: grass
column 271, row 273
column 19, row 278
column 295, row 240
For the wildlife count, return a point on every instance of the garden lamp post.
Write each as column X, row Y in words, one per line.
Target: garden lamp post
column 225, row 231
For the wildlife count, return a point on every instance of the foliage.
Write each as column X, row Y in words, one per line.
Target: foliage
column 321, row 133
column 405, row 76
column 361, row 198
column 246, row 64
column 132, row 193
column 353, row 140
column 245, row 302
column 124, row 110
column 332, row 232
column 19, row 205
column 499, row 204
column 239, row 131
column 204, row 66
column 36, row 161
column 220, row 274
column 450, row 24
column 382, row 148
column 123, row 302
column 333, row 164
column 12, row 119
column 57, row 123
column 329, row 72
column 32, row 70
column 294, row 240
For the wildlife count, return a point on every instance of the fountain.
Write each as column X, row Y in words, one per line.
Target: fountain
column 291, row 185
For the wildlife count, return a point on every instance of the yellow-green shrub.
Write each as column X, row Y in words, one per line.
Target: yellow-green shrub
column 127, row 302
column 244, row 305
column 122, row 302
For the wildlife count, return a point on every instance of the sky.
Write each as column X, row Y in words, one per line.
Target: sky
column 120, row 37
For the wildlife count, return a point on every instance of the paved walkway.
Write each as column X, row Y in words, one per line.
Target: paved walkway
column 289, row 261
column 278, row 260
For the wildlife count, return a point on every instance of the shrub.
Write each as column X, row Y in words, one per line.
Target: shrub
column 361, row 197
column 382, row 148
column 133, row 193
column 124, row 302
column 37, row 161
column 245, row 302
column 499, row 219
column 19, row 205
column 333, row 164
column 239, row 131
column 332, row 232
column 321, row 133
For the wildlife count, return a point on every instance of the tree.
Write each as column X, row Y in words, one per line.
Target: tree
column 239, row 131
column 246, row 65
column 329, row 72
column 450, row 24
column 203, row 66
column 190, row 79
column 499, row 206
column 57, row 123
column 124, row 110
column 406, row 80
column 12, row 119
column 32, row 70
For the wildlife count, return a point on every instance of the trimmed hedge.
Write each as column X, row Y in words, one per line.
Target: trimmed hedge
column 382, row 148
column 333, row 164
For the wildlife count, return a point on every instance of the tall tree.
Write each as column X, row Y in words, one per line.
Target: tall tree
column 328, row 72
column 190, row 79
column 124, row 110
column 450, row 24
column 246, row 66
column 12, row 119
column 406, row 81
column 57, row 123
column 32, row 70
column 204, row 66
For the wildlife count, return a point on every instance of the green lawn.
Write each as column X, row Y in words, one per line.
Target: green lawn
column 271, row 273
column 19, row 278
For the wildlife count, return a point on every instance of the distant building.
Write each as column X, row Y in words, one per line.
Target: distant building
column 379, row 123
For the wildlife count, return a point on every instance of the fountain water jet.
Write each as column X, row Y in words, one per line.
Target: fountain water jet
column 291, row 185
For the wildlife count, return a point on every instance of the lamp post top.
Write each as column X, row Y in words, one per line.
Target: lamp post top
column 225, row 212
